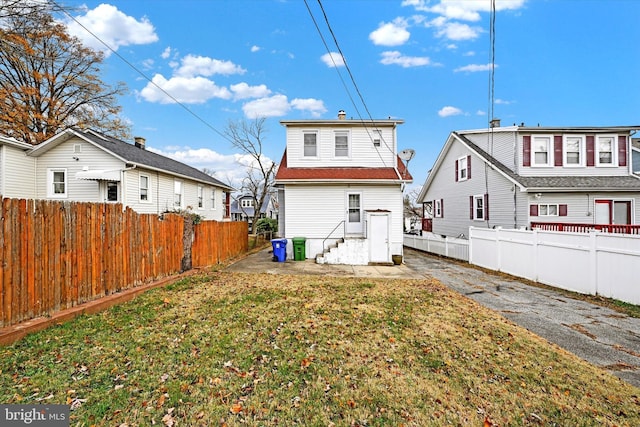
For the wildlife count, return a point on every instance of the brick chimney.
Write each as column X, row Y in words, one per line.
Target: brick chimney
column 139, row 142
column 341, row 115
column 494, row 123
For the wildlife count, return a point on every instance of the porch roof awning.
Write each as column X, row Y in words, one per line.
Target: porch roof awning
column 99, row 175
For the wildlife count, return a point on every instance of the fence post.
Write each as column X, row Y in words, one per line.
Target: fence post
column 593, row 261
column 498, row 248
column 535, row 237
column 470, row 246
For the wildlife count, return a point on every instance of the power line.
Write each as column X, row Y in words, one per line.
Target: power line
column 123, row 59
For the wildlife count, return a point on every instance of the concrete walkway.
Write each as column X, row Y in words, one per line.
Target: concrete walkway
column 599, row 335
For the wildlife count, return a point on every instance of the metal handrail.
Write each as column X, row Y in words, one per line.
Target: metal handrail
column 330, row 233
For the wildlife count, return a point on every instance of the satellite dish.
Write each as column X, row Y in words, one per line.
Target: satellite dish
column 407, row 154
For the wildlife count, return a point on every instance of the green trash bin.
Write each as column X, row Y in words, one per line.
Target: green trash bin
column 299, row 248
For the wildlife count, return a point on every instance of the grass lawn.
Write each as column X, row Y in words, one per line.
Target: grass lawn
column 264, row 350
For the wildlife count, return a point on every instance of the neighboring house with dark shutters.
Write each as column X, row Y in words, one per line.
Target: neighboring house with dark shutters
column 87, row 166
column 547, row 177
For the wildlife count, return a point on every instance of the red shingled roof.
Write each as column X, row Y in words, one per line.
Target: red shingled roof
column 286, row 173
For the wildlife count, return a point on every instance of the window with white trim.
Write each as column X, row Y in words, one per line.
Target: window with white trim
column 246, row 203
column 112, row 191
column 605, row 150
column 57, row 183
column 463, row 168
column 438, row 212
column 541, row 150
column 377, row 137
column 200, row 197
column 341, row 139
column 478, row 207
column 213, row 198
column 546, row 209
column 310, row 144
column 177, row 194
column 144, row 188
column 573, row 150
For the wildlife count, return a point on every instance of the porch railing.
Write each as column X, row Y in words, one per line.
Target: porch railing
column 585, row 228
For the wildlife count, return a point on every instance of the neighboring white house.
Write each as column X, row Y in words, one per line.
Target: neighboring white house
column 243, row 209
column 340, row 185
column 84, row 165
column 517, row 176
column 17, row 170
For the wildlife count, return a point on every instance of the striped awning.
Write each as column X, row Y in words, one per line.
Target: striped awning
column 99, row 175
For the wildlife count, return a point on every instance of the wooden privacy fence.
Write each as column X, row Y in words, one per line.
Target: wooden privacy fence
column 214, row 242
column 55, row 255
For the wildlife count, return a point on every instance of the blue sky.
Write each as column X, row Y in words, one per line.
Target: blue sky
column 558, row 63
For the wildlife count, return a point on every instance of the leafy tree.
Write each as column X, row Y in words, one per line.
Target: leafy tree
column 266, row 224
column 49, row 81
column 248, row 137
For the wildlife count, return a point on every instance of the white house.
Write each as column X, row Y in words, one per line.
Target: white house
column 340, row 187
column 523, row 177
column 84, row 165
column 17, row 170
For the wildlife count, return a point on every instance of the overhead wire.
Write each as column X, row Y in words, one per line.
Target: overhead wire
column 132, row 66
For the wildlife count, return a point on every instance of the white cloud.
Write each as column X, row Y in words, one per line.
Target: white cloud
column 396, row 58
column 111, row 26
column 244, row 91
column 166, row 53
column 449, row 111
column 194, row 90
column 276, row 105
column 391, row 34
column 193, row 65
column 458, row 31
column 466, row 10
column 314, row 106
column 481, row 113
column 473, row 68
column 503, row 102
column 255, row 48
column 332, row 59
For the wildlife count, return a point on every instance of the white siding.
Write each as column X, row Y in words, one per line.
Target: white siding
column 499, row 144
column 581, row 206
column 61, row 156
column 362, row 151
column 17, row 173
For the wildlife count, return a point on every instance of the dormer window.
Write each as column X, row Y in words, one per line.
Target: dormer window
column 310, row 144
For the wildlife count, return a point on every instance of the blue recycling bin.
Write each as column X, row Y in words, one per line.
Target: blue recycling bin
column 279, row 249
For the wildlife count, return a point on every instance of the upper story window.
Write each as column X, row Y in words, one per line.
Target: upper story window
column 377, row 137
column 213, row 198
column 541, row 154
column 574, row 150
column 605, row 150
column 463, row 168
column 177, row 194
column 200, row 197
column 246, row 203
column 57, row 183
column 144, row 188
column 310, row 144
column 341, row 143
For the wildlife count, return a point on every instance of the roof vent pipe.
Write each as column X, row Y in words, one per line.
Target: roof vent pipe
column 341, row 115
column 139, row 142
column 494, row 123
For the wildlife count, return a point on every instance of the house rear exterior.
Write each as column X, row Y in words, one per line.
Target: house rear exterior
column 523, row 177
column 340, row 187
column 17, row 170
column 87, row 166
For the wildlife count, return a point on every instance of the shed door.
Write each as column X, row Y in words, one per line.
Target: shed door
column 379, row 237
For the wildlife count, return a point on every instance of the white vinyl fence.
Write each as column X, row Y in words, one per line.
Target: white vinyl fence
column 447, row 246
column 593, row 263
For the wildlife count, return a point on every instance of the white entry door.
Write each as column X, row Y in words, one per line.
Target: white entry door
column 378, row 234
column 354, row 213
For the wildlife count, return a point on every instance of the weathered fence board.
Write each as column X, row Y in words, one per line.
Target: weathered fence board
column 55, row 255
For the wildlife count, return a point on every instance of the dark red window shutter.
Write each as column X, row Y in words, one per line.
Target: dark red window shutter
column 557, row 150
column 469, row 167
column 591, row 150
column 442, row 208
column 562, row 210
column 456, row 171
column 533, row 210
column 526, row 150
column 622, row 150
column 486, row 207
column 471, row 207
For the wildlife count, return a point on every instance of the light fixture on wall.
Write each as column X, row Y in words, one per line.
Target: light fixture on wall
column 76, row 158
column 538, row 195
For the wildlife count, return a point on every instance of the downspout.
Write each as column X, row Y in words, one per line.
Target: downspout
column 123, row 185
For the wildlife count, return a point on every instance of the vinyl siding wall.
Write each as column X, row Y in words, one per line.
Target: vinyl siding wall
column 362, row 151
column 581, row 206
column 499, row 144
column 313, row 211
column 17, row 173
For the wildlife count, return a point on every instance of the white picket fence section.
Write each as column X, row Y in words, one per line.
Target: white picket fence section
column 446, row 246
column 593, row 263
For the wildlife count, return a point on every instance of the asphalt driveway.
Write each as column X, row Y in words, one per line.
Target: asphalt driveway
column 599, row 335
